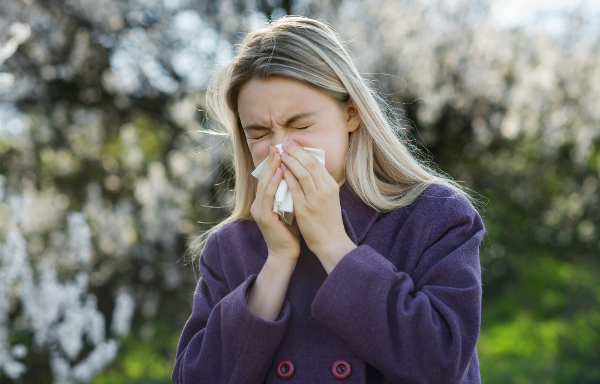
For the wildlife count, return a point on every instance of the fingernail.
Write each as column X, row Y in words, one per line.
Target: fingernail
column 285, row 155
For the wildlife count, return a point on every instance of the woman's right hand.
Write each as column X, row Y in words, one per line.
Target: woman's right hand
column 281, row 242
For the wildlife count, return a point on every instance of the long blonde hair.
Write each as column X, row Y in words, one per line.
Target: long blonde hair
column 384, row 170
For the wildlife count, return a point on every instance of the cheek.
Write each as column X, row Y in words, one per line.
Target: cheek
column 333, row 159
column 335, row 156
column 260, row 151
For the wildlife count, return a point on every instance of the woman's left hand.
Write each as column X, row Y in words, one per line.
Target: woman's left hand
column 316, row 205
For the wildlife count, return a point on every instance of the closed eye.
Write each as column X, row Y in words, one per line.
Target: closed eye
column 258, row 138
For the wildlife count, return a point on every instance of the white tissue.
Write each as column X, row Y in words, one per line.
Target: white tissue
column 283, row 204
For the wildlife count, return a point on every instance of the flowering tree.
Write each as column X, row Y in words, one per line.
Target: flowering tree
column 61, row 316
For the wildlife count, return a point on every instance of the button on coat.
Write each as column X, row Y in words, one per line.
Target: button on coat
column 404, row 306
column 285, row 369
column 341, row 369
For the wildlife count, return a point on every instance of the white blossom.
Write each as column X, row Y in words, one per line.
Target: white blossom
column 114, row 226
column 19, row 207
column 19, row 351
column 94, row 363
column 122, row 314
column 95, row 325
column 61, row 370
column 14, row 369
column 70, row 332
column 79, row 238
column 20, row 32
column 61, row 315
column 2, row 186
column 157, row 194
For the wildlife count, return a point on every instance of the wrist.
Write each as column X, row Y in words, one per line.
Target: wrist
column 267, row 294
column 335, row 251
column 278, row 262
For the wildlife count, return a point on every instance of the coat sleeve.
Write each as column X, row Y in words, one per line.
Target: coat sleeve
column 417, row 332
column 223, row 341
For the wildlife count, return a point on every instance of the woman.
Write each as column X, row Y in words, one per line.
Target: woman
column 377, row 279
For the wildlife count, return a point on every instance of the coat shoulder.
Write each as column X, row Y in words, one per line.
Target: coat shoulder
column 437, row 206
column 235, row 230
column 237, row 248
column 236, row 235
column 450, row 208
column 439, row 200
column 228, row 235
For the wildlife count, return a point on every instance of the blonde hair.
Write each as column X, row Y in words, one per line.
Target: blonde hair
column 382, row 169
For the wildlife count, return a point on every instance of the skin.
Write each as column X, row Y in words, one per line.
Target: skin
column 265, row 108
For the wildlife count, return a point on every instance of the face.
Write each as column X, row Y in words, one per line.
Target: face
column 279, row 109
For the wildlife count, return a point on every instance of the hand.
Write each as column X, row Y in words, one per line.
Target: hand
column 281, row 242
column 316, row 205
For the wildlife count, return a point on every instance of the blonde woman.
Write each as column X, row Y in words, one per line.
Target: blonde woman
column 376, row 279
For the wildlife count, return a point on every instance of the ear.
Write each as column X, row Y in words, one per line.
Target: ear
column 352, row 116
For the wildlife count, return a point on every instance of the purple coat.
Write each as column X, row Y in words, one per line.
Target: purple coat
column 403, row 307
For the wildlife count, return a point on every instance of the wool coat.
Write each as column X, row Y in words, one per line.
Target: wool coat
column 402, row 307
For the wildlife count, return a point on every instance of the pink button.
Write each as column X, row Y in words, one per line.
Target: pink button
column 341, row 369
column 285, row 369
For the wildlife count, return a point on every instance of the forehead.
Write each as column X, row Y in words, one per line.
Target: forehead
column 277, row 97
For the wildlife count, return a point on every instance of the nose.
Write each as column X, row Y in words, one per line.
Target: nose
column 280, row 136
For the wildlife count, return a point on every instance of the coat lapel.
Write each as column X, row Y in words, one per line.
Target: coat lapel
column 358, row 217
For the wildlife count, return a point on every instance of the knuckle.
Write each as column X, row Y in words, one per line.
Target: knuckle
column 303, row 175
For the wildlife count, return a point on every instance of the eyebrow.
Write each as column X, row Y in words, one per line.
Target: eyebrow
column 288, row 122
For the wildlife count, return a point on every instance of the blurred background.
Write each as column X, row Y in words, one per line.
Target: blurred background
column 105, row 177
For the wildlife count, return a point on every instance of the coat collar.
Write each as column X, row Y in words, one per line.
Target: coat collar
column 358, row 217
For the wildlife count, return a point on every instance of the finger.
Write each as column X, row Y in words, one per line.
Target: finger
column 270, row 174
column 309, row 162
column 262, row 186
column 269, row 195
column 327, row 178
column 266, row 166
column 274, row 167
column 298, row 194
column 266, row 172
column 304, row 169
